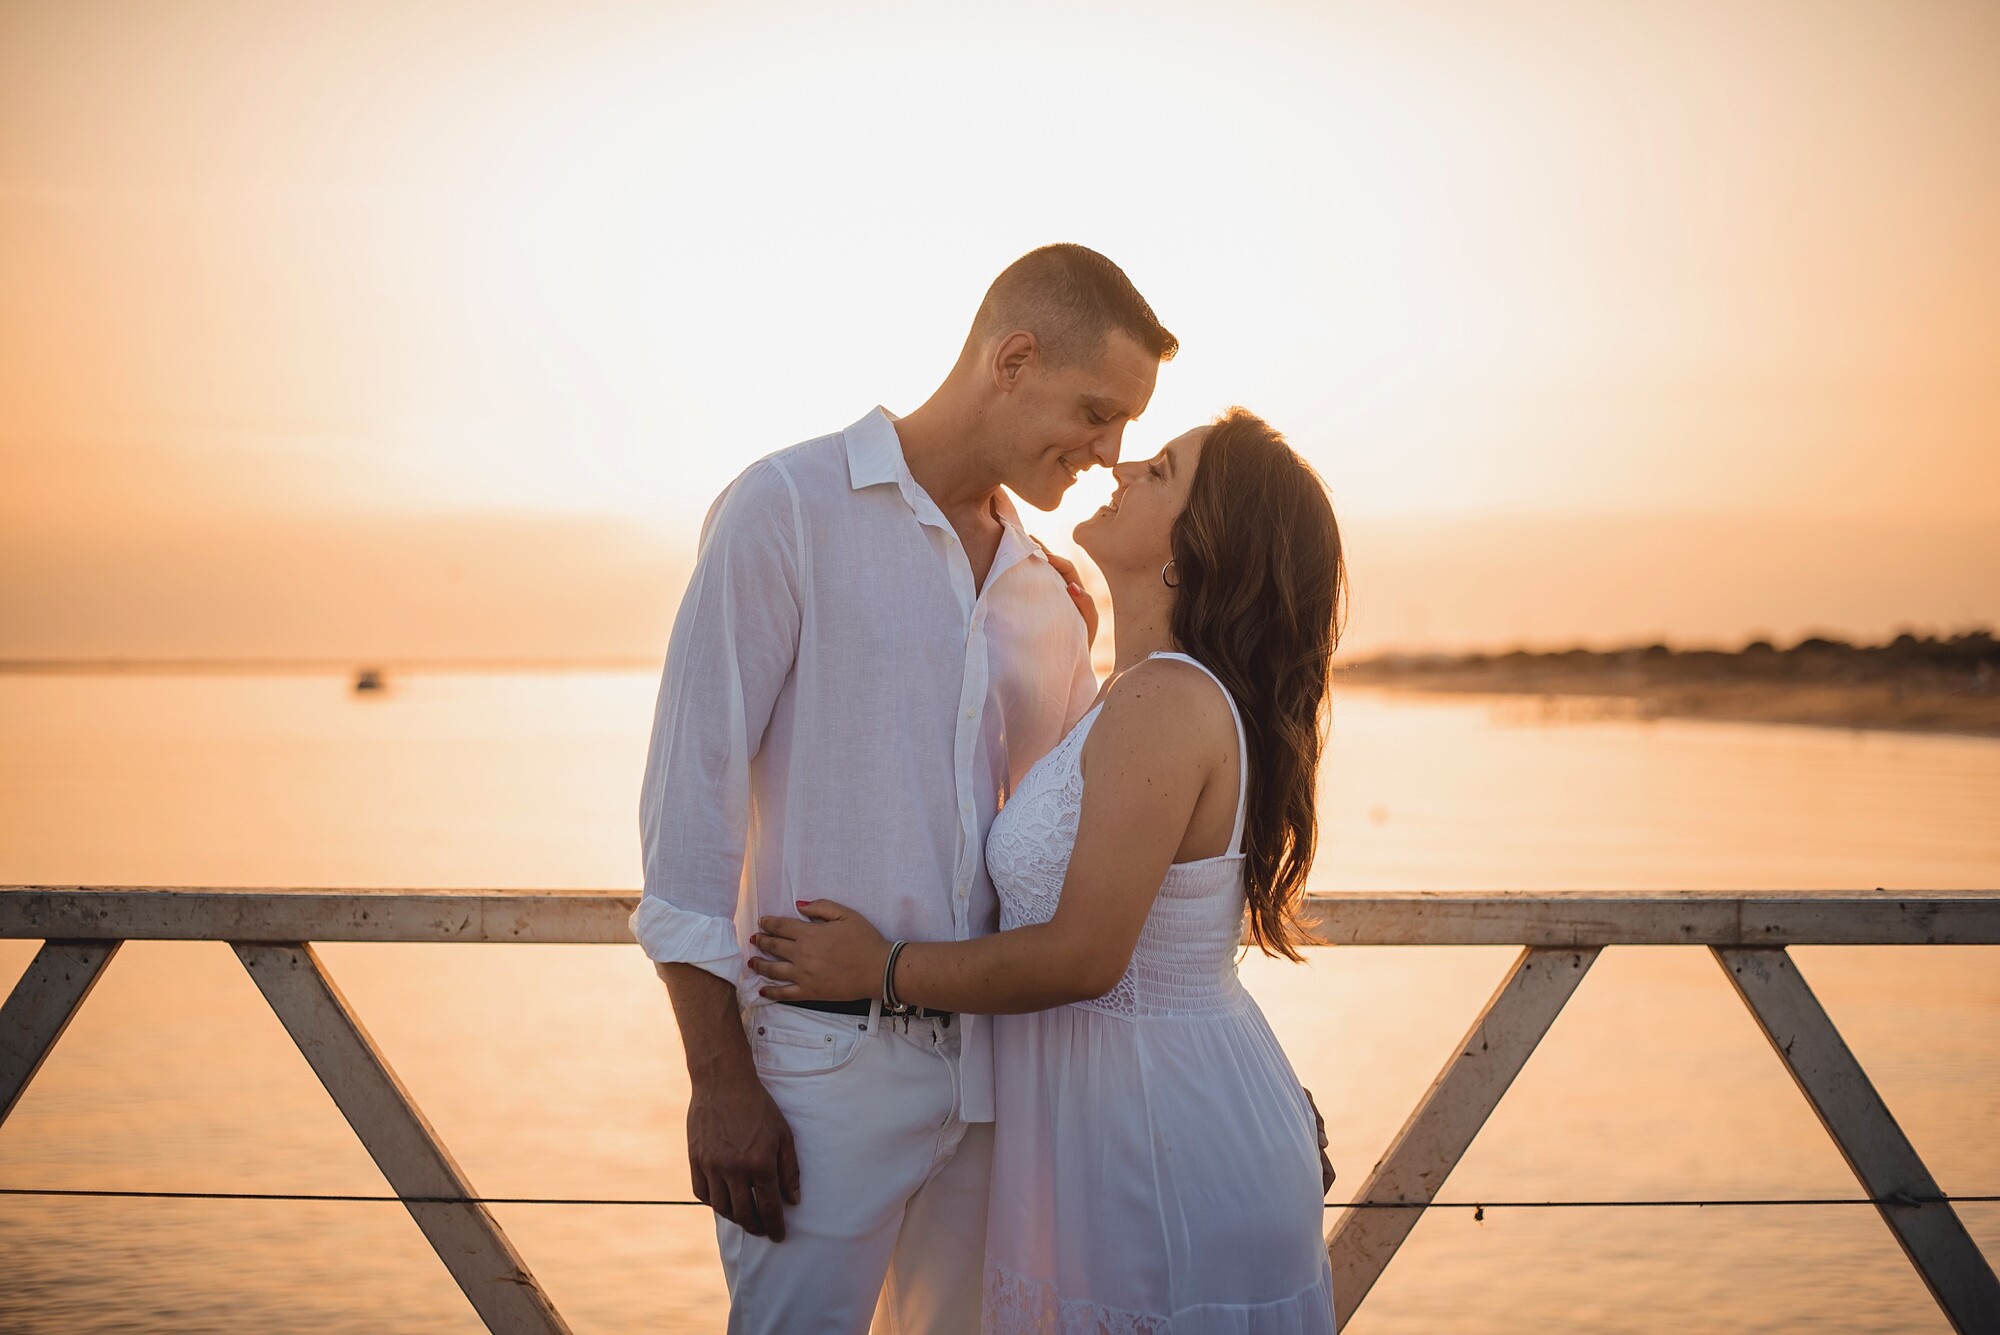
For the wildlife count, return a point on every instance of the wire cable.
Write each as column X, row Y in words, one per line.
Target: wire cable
column 1478, row 1207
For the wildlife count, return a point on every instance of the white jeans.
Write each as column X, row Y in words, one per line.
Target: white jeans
column 891, row 1219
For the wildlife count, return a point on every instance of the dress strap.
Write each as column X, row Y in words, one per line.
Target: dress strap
column 1242, row 750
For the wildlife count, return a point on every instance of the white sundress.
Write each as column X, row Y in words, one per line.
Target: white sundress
column 1155, row 1163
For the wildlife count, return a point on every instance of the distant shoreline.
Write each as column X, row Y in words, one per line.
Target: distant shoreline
column 1908, row 685
column 321, row 666
column 1949, row 686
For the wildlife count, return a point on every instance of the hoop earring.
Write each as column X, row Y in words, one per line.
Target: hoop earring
column 1170, row 583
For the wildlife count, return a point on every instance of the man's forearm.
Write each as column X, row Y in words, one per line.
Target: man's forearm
column 705, row 1008
column 741, row 1157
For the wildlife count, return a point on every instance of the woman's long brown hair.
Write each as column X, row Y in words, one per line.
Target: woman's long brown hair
column 1262, row 589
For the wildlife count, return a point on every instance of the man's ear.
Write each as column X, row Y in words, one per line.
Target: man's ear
column 1012, row 357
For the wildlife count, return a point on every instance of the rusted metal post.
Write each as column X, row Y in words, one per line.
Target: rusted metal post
column 1887, row 1165
column 41, row 1006
column 1449, row 1115
column 468, row 1239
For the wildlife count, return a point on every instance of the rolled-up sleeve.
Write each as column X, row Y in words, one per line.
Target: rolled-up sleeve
column 734, row 643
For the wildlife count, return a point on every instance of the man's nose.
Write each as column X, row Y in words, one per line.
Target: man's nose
column 1105, row 448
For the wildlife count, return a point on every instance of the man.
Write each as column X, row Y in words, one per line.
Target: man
column 870, row 654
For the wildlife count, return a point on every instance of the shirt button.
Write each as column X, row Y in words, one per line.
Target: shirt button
column 972, row 713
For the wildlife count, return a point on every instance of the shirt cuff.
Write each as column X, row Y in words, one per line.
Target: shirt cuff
column 671, row 935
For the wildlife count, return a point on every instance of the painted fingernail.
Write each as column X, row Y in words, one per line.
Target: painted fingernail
column 1075, row 588
column 800, row 904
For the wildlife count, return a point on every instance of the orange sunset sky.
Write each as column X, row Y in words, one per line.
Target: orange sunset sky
column 432, row 329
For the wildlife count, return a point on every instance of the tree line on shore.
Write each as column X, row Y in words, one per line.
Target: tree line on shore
column 1973, row 655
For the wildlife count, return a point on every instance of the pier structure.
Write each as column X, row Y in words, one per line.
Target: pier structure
column 1561, row 934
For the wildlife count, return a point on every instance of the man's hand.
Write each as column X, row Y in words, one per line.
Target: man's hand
column 1086, row 606
column 740, row 1156
column 741, row 1159
column 1326, row 1174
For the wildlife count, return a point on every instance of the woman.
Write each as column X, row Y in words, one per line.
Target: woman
column 1154, row 1156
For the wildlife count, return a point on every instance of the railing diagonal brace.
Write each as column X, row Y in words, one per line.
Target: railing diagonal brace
column 1806, row 1041
column 468, row 1239
column 1450, row 1114
column 41, row 1006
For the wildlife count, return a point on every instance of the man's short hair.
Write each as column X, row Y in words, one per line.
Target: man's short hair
column 1070, row 298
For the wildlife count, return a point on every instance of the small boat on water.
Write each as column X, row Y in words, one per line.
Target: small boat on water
column 368, row 679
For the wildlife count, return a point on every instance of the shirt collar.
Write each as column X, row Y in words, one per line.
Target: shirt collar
column 875, row 457
column 1010, row 519
column 874, row 454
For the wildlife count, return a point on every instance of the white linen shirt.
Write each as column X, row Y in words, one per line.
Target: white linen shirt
column 842, row 714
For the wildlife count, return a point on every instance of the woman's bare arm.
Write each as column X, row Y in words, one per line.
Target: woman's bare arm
column 1160, row 740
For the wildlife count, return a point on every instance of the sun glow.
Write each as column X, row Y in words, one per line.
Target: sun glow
column 1501, row 262
column 689, row 261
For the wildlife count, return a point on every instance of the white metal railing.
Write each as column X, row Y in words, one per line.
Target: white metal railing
column 1561, row 935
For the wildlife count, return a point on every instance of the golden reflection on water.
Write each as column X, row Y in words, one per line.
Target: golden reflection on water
column 554, row 1071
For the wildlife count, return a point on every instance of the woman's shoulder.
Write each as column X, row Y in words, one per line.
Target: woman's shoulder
column 1169, row 701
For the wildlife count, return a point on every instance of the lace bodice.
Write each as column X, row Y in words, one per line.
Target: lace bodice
column 1185, row 960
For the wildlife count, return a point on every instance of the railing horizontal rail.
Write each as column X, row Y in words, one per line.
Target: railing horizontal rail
column 1570, row 919
column 1373, row 918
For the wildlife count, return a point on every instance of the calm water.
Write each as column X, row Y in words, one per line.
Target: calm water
column 555, row 1071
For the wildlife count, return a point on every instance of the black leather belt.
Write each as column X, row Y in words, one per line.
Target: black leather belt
column 862, row 1008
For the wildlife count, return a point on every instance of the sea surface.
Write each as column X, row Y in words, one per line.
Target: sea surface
column 555, row 1071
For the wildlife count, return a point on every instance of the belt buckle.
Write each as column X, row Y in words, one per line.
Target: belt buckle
column 891, row 1014
column 908, row 1014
